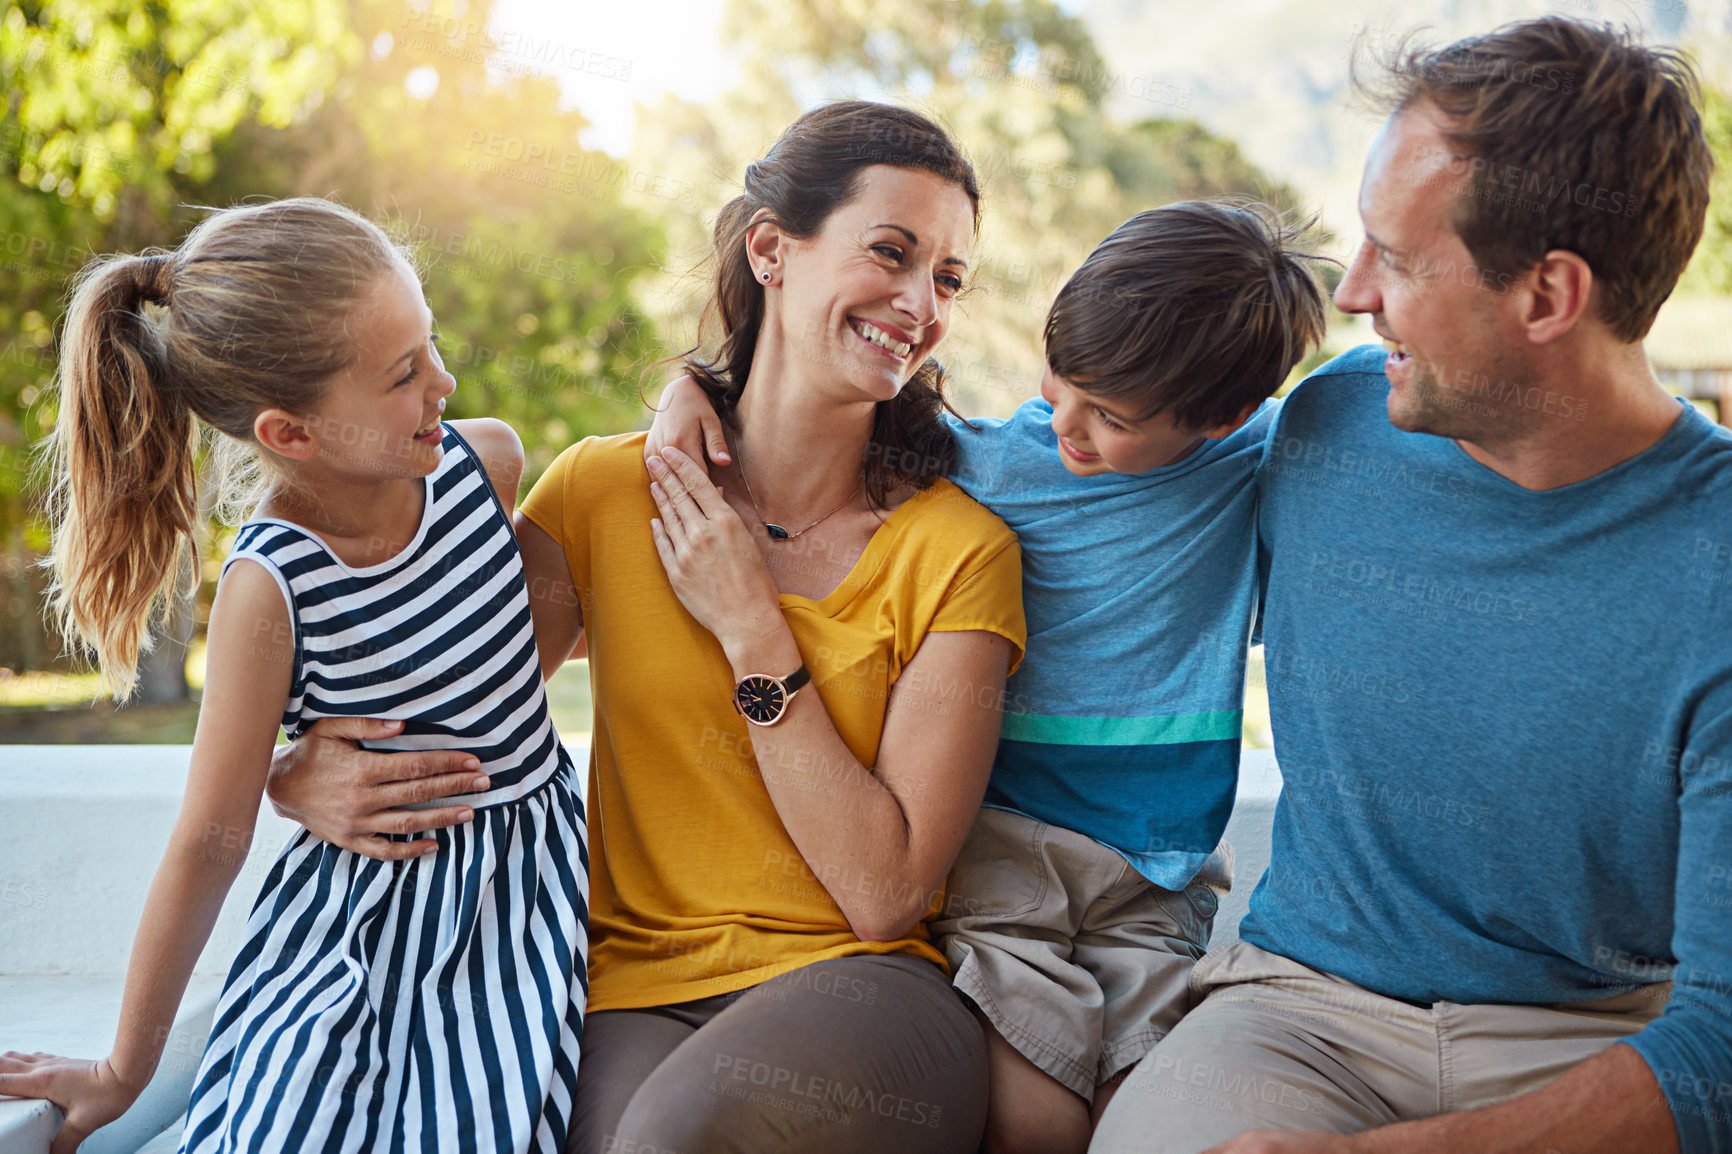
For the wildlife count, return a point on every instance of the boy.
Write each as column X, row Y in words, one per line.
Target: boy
column 1088, row 885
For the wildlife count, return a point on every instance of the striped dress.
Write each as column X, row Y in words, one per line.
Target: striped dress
column 433, row 1004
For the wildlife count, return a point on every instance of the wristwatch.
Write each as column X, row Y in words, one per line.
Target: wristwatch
column 763, row 700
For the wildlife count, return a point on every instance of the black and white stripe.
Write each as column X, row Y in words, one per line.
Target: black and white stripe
column 435, row 1004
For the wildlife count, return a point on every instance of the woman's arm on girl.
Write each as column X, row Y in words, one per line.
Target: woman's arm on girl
column 891, row 830
column 351, row 796
column 250, row 661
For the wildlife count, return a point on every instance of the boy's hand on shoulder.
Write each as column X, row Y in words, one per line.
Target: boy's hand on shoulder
column 90, row 1094
column 687, row 421
column 500, row 451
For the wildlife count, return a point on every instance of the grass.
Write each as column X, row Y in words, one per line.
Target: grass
column 569, row 701
column 1257, row 734
column 65, row 709
column 99, row 723
column 45, row 690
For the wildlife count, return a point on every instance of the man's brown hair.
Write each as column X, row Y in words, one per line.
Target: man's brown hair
column 1572, row 136
column 1196, row 309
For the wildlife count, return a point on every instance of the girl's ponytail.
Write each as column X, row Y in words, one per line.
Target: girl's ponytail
column 123, row 501
column 252, row 312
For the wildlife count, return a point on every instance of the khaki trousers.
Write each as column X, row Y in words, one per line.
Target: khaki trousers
column 856, row 1055
column 1274, row 1045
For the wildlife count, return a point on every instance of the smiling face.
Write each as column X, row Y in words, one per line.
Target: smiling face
column 1098, row 435
column 381, row 418
column 1452, row 328
column 868, row 298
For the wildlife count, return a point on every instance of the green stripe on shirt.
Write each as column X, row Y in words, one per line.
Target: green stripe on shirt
column 1220, row 725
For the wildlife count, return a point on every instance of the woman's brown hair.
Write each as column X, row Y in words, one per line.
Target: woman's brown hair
column 249, row 313
column 814, row 169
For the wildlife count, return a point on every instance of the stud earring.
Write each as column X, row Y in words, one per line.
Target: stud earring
column 766, row 278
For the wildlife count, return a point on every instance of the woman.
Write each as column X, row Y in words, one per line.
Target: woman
column 772, row 824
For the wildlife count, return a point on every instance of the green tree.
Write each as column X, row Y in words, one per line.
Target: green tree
column 1022, row 87
column 122, row 122
column 1710, row 270
column 112, row 114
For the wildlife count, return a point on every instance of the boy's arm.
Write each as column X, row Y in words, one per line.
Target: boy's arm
column 687, row 421
column 249, row 664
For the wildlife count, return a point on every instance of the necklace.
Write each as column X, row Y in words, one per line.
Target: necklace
column 776, row 532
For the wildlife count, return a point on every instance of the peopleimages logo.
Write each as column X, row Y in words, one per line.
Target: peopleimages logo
column 806, row 1092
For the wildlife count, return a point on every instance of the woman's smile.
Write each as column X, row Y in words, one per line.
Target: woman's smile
column 886, row 339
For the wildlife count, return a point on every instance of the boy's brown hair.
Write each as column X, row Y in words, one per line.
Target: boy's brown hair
column 1197, row 309
column 1572, row 136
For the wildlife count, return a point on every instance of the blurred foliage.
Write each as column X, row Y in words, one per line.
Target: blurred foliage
column 557, row 274
column 124, row 119
column 1710, row 270
column 1022, row 87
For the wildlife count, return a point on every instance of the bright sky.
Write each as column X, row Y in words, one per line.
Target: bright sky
column 614, row 54
column 631, row 51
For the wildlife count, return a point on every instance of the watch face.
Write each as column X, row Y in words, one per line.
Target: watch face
column 760, row 699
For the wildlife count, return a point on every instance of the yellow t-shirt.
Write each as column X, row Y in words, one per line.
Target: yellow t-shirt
column 696, row 888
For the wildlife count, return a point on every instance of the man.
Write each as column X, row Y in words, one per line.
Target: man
column 1499, row 636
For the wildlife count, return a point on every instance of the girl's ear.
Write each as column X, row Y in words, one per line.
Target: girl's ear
column 287, row 435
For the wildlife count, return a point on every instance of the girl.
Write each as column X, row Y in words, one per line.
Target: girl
column 428, row 1003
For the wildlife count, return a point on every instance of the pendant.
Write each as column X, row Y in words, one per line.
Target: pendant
column 776, row 532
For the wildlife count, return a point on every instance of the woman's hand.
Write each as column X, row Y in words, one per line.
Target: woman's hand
column 710, row 557
column 90, row 1094
column 348, row 796
column 687, row 421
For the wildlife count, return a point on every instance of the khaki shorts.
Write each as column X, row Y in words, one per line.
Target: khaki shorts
column 1077, row 960
column 1275, row 1045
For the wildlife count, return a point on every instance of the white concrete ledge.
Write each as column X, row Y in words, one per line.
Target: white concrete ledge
column 83, row 830
column 75, row 1015
column 85, row 827
column 1248, row 833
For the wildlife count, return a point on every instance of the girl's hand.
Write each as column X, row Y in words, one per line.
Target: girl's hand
column 687, row 421
column 90, row 1094
column 710, row 557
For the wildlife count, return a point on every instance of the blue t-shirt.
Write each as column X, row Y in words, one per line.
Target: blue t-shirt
column 1504, row 724
column 1124, row 721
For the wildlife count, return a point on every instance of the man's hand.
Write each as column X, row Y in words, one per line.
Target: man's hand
column 349, row 796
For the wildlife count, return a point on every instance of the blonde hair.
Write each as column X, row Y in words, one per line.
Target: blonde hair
column 249, row 313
